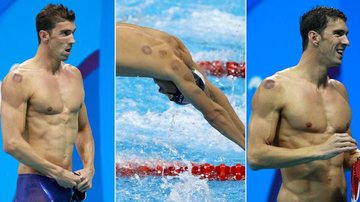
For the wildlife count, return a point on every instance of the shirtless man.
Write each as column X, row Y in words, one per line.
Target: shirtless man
column 44, row 115
column 146, row 52
column 300, row 119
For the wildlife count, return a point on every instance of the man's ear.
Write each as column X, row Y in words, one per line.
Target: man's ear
column 314, row 38
column 44, row 36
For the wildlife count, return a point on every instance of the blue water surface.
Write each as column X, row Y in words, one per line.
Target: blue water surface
column 150, row 128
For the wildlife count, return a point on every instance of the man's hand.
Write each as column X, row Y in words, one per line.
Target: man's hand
column 67, row 179
column 351, row 157
column 336, row 144
column 86, row 176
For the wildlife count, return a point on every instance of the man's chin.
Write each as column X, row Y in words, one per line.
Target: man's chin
column 64, row 58
column 337, row 63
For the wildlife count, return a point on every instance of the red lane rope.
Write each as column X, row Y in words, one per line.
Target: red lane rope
column 208, row 171
column 219, row 68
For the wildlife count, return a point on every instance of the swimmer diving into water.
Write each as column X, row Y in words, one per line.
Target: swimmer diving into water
column 147, row 52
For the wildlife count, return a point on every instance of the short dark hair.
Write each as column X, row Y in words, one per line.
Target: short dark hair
column 47, row 18
column 316, row 19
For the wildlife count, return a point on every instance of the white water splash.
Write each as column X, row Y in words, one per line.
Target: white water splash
column 188, row 188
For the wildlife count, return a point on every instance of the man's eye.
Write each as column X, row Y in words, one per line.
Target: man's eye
column 339, row 33
column 66, row 33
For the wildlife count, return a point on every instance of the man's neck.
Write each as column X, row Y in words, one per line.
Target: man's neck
column 312, row 69
column 46, row 61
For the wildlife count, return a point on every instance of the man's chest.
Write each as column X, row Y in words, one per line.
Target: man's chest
column 308, row 109
column 54, row 96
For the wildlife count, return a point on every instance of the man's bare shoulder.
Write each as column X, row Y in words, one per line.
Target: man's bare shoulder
column 16, row 85
column 124, row 24
column 274, row 83
column 269, row 94
column 129, row 27
column 340, row 87
column 19, row 73
column 73, row 70
column 148, row 31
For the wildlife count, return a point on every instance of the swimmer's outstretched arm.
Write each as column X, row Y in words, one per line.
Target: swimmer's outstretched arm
column 85, row 147
column 218, row 96
column 234, row 129
column 15, row 95
column 215, row 114
column 266, row 107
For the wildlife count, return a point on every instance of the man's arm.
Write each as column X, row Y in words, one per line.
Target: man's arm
column 266, row 107
column 85, row 147
column 13, row 109
column 351, row 156
column 166, row 58
column 214, row 113
column 217, row 110
column 219, row 97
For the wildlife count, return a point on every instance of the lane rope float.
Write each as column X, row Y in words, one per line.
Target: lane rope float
column 219, row 68
column 208, row 171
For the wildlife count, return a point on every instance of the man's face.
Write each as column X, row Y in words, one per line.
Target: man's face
column 62, row 40
column 333, row 42
column 166, row 87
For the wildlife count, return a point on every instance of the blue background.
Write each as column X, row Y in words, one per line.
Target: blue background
column 93, row 54
column 274, row 43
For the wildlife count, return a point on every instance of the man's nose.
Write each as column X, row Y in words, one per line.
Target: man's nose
column 72, row 39
column 346, row 40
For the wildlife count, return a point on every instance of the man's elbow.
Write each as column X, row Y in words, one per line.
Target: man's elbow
column 84, row 128
column 214, row 117
column 254, row 161
column 10, row 147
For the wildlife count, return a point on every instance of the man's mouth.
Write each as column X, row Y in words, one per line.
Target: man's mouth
column 340, row 51
column 68, row 50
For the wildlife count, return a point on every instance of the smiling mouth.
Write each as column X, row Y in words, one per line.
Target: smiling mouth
column 68, row 50
column 340, row 51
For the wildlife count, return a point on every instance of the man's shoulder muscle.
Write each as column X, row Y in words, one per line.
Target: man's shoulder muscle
column 340, row 87
column 270, row 91
column 16, row 87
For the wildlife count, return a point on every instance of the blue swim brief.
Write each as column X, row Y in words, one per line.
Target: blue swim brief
column 38, row 188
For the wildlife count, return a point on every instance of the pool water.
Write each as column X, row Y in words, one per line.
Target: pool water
column 150, row 128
